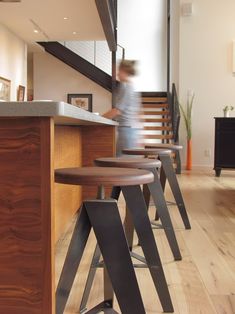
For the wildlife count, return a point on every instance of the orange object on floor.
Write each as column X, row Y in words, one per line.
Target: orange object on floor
column 189, row 155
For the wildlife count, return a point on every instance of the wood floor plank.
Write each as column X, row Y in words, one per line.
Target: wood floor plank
column 217, row 276
column 224, row 242
column 224, row 304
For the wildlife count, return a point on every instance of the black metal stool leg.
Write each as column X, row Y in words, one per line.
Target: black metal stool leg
column 129, row 229
column 108, row 288
column 116, row 190
column 146, row 194
column 171, row 177
column 75, row 251
column 136, row 204
column 178, row 162
column 160, row 203
column 128, row 224
column 113, row 245
column 163, row 179
column 90, row 278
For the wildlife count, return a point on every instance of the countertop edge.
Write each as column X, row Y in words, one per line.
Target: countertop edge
column 62, row 112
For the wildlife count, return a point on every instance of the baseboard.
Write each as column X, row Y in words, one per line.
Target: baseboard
column 200, row 167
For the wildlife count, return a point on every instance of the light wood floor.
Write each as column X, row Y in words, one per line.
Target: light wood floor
column 204, row 281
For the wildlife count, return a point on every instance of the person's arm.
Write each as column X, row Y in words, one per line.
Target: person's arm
column 113, row 113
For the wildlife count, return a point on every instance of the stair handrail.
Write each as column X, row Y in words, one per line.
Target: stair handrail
column 175, row 112
column 123, row 51
column 95, row 52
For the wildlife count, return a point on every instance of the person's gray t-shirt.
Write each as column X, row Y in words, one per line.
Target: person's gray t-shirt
column 128, row 102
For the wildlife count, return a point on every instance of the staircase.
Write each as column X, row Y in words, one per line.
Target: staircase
column 156, row 119
column 159, row 126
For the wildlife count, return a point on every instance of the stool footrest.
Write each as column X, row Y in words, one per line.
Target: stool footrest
column 170, row 203
column 104, row 307
column 138, row 257
column 156, row 225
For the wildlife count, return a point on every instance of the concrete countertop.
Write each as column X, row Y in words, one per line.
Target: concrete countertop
column 62, row 112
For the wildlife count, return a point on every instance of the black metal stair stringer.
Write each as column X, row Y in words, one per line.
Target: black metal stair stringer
column 78, row 63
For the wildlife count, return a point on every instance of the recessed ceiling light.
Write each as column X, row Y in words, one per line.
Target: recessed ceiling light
column 37, row 29
column 66, row 18
column 74, row 33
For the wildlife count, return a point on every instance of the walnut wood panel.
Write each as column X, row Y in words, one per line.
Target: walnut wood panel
column 26, row 225
column 97, row 141
column 68, row 153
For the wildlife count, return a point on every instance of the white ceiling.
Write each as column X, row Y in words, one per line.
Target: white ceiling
column 49, row 15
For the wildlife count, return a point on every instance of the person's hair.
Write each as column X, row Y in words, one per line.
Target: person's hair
column 129, row 66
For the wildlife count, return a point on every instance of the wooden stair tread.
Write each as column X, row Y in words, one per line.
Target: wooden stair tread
column 154, row 105
column 167, row 120
column 154, row 99
column 158, row 136
column 159, row 113
column 158, row 128
column 153, row 116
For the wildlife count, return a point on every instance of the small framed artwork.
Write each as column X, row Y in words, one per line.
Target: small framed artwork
column 5, row 89
column 83, row 101
column 20, row 93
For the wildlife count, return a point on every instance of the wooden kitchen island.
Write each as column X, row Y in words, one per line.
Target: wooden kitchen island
column 36, row 138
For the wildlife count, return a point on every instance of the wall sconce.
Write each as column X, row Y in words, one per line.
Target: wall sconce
column 187, row 9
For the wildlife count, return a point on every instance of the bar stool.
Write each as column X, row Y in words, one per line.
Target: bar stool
column 103, row 216
column 155, row 190
column 175, row 148
column 167, row 172
column 158, row 196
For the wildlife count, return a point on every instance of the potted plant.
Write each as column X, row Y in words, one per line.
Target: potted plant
column 187, row 114
column 227, row 110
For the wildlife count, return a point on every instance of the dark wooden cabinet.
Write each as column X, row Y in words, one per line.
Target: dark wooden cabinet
column 224, row 144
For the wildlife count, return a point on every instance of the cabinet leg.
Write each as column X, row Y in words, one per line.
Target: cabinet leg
column 217, row 172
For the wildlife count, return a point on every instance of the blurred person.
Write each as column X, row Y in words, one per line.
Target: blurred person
column 127, row 108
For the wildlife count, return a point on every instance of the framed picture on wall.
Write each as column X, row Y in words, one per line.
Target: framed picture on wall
column 5, row 89
column 83, row 101
column 20, row 93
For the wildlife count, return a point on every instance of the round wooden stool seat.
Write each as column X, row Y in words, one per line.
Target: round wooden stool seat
column 134, row 162
column 146, row 151
column 172, row 147
column 103, row 176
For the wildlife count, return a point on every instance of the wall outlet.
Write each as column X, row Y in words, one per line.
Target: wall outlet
column 207, row 152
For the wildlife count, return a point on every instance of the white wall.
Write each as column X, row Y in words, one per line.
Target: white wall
column 13, row 60
column 53, row 80
column 174, row 43
column 142, row 32
column 30, row 76
column 206, row 68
